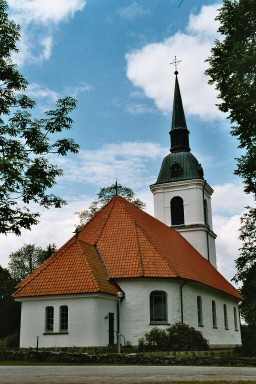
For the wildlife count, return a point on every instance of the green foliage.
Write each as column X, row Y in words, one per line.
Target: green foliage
column 9, row 309
column 178, row 337
column 26, row 173
column 26, row 259
column 11, row 341
column 104, row 196
column 248, row 340
column 246, row 267
column 233, row 71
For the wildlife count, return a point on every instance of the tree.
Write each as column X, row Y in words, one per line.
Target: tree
column 233, row 71
column 26, row 259
column 9, row 309
column 104, row 196
column 246, row 267
column 26, row 173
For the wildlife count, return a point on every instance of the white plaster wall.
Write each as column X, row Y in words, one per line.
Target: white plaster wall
column 198, row 238
column 135, row 312
column 193, row 196
column 193, row 193
column 87, row 323
column 219, row 337
column 88, row 326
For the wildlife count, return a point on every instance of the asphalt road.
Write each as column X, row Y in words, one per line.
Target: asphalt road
column 120, row 374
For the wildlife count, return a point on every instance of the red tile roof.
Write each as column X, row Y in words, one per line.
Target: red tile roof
column 132, row 244
column 76, row 268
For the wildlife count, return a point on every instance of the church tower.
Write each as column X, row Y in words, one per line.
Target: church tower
column 182, row 197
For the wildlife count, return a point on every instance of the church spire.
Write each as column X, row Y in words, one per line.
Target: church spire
column 179, row 132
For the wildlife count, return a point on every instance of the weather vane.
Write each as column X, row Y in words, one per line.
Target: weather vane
column 176, row 63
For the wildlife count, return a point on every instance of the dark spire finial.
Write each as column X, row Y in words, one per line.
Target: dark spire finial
column 176, row 63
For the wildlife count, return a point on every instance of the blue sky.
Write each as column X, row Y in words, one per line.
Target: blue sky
column 114, row 57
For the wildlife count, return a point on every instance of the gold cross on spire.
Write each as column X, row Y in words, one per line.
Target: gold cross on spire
column 176, row 62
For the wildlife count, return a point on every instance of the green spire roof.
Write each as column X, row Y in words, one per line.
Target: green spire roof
column 180, row 164
column 179, row 132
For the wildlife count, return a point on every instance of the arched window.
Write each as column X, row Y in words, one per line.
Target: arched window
column 206, row 221
column 199, row 311
column 49, row 319
column 158, row 307
column 177, row 210
column 235, row 319
column 64, row 318
column 214, row 315
column 225, row 316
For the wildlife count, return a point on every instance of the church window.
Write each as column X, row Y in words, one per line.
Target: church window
column 206, row 221
column 214, row 315
column 199, row 311
column 177, row 210
column 64, row 318
column 158, row 307
column 49, row 317
column 235, row 319
column 225, row 316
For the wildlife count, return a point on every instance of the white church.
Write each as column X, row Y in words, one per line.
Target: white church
column 127, row 272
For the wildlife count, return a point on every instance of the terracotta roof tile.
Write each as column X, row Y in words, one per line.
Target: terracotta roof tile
column 131, row 244
column 76, row 269
column 135, row 244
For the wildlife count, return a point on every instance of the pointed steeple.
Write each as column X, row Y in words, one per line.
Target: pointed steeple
column 179, row 132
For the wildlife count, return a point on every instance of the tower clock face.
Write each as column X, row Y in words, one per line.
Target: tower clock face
column 176, row 170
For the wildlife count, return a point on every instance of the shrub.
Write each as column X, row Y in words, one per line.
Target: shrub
column 182, row 337
column 178, row 337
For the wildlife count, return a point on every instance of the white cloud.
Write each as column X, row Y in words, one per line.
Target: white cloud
column 35, row 90
column 151, row 62
column 228, row 204
column 125, row 161
column 56, row 226
column 80, row 88
column 45, row 11
column 227, row 243
column 39, row 19
column 139, row 109
column 200, row 25
column 38, row 91
column 230, row 198
column 132, row 11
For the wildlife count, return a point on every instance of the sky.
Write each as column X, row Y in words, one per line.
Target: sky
column 114, row 57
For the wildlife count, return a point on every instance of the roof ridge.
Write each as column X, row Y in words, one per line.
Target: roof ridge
column 101, row 261
column 141, row 261
column 111, row 208
column 88, row 262
column 166, row 259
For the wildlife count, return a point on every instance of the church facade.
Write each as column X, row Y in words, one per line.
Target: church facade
column 127, row 272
